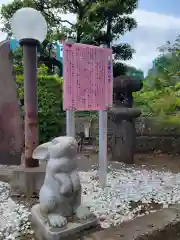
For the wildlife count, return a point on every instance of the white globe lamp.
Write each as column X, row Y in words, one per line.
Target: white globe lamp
column 27, row 24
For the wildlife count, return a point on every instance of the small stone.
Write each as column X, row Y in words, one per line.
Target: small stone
column 16, row 234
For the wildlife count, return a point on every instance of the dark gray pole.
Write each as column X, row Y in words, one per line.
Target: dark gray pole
column 30, row 103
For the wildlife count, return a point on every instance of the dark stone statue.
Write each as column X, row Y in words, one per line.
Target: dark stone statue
column 123, row 87
column 121, row 117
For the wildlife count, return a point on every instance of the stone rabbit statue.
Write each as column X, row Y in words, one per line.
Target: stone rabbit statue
column 60, row 195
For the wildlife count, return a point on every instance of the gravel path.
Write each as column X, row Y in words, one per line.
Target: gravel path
column 13, row 217
column 130, row 192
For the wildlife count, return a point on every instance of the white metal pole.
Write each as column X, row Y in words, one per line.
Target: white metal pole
column 70, row 123
column 70, row 116
column 103, row 163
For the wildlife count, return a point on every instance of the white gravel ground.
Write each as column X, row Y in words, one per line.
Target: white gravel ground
column 125, row 187
column 112, row 205
column 13, row 217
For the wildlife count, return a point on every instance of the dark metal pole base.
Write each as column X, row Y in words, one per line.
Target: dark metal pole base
column 30, row 102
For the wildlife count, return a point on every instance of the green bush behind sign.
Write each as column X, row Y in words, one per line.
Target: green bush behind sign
column 50, row 112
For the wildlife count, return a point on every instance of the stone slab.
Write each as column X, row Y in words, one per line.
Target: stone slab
column 28, row 180
column 44, row 232
column 161, row 225
column 11, row 128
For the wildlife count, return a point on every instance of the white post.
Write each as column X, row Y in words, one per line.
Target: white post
column 70, row 123
column 70, row 117
column 103, row 163
column 103, row 159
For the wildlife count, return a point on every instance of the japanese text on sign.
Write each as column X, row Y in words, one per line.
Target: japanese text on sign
column 88, row 77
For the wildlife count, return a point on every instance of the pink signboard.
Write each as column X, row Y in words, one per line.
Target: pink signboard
column 88, row 77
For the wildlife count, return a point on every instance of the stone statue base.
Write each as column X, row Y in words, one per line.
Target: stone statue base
column 125, row 141
column 44, row 232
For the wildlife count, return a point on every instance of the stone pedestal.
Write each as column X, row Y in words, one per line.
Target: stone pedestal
column 122, row 117
column 125, row 139
column 11, row 131
column 28, row 181
column 124, row 134
column 73, row 230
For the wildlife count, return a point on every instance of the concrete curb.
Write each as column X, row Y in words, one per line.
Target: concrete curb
column 161, row 225
column 6, row 173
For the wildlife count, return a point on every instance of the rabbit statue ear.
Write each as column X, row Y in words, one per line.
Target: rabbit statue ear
column 41, row 152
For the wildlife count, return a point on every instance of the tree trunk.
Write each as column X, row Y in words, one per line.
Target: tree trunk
column 108, row 32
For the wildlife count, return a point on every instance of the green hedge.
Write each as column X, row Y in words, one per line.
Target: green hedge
column 161, row 104
column 50, row 112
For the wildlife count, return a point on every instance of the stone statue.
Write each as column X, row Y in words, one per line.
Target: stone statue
column 60, row 195
column 121, row 119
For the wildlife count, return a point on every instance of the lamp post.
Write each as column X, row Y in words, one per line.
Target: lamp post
column 29, row 27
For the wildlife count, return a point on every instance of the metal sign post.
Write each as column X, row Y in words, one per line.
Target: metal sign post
column 70, row 114
column 70, row 123
column 103, row 158
column 103, row 163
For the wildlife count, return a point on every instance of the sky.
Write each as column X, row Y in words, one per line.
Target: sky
column 158, row 22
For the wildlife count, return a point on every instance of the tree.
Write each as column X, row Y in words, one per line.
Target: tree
column 111, row 20
column 98, row 22
column 55, row 28
column 17, row 61
column 119, row 69
column 114, row 21
column 160, row 93
column 166, row 67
